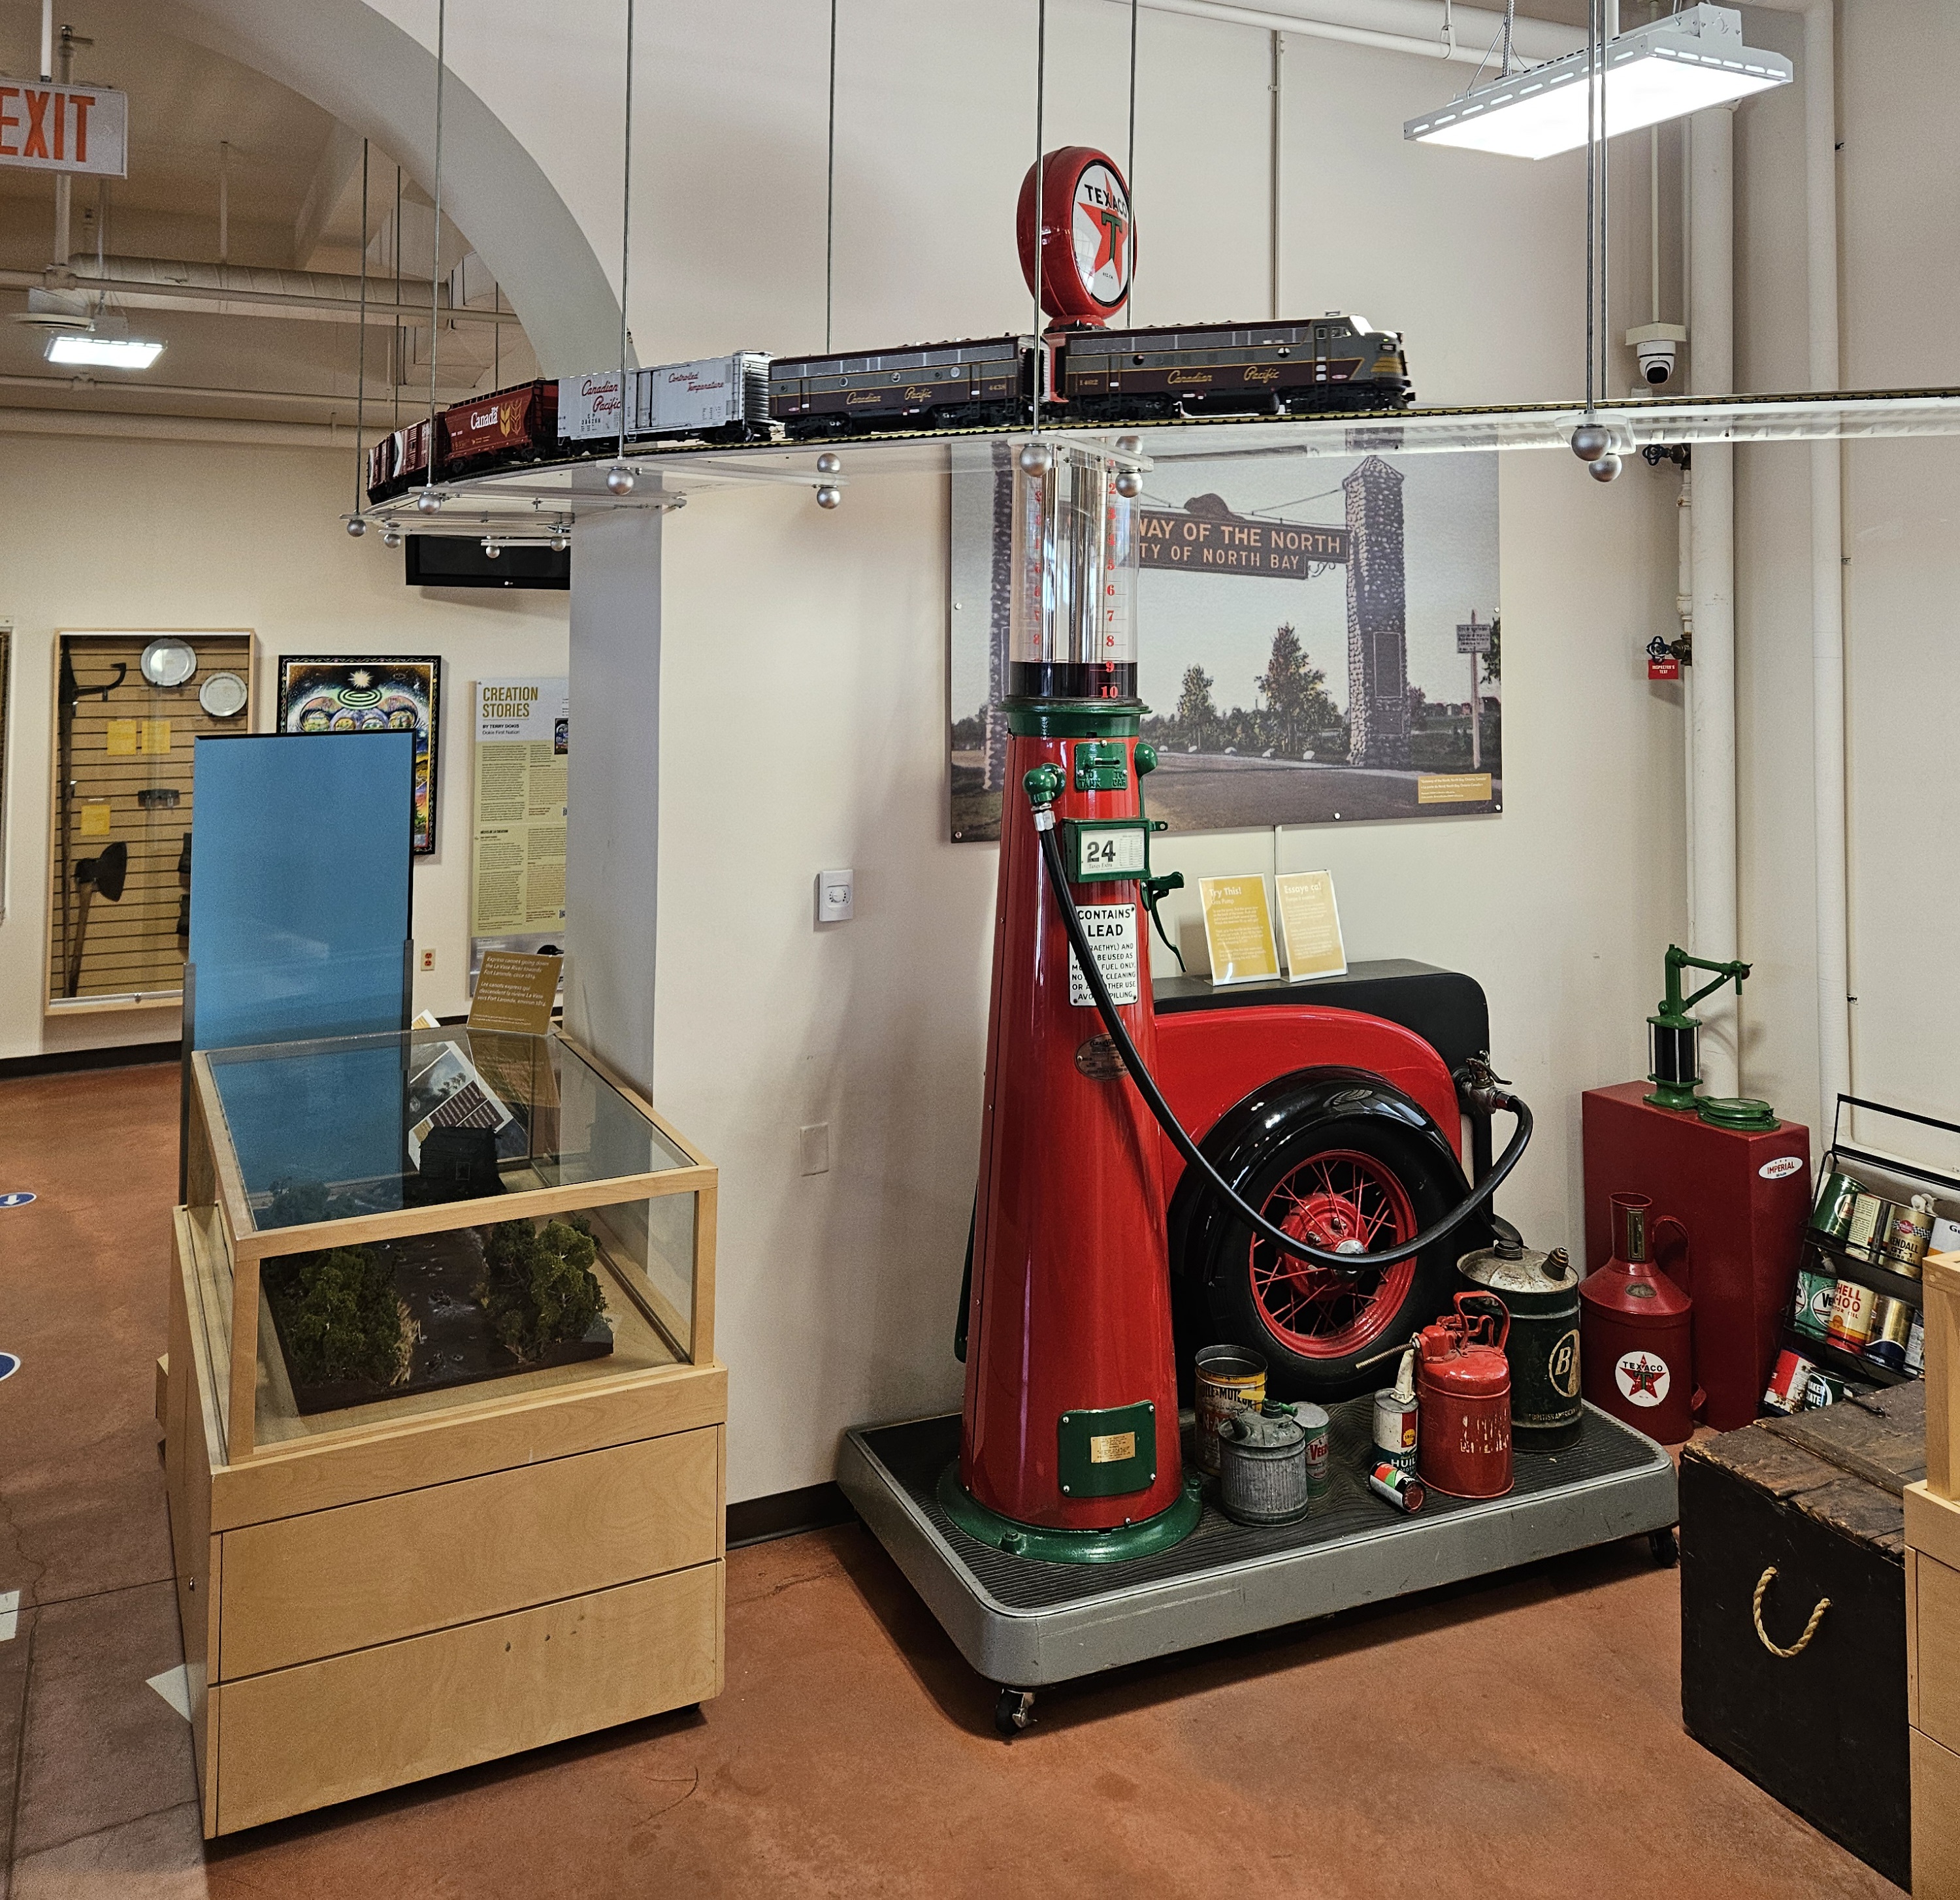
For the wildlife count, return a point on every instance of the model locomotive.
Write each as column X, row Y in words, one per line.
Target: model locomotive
column 1334, row 364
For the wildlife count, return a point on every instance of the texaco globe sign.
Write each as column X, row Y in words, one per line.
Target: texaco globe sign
column 1088, row 247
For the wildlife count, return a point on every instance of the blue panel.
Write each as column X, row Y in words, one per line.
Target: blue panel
column 300, row 887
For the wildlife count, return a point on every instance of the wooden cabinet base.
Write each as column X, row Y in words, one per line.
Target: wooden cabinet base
column 364, row 1610
column 351, row 1725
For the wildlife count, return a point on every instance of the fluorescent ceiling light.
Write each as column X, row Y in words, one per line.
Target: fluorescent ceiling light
column 1685, row 63
column 103, row 352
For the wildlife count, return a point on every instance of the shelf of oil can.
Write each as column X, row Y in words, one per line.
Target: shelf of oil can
column 1027, row 1623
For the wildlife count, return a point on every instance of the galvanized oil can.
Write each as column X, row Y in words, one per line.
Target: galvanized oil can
column 1541, row 1292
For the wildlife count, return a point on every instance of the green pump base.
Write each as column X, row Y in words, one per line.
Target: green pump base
column 1168, row 1527
column 1673, row 1095
column 1746, row 1114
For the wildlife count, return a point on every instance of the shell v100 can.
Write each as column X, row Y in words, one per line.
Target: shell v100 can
column 1852, row 1314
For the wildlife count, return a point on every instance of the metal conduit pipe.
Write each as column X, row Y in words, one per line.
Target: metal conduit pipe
column 1712, row 540
column 144, row 283
column 1393, row 26
column 1832, row 844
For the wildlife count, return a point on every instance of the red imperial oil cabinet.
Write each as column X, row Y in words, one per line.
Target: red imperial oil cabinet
column 1070, row 1447
column 1742, row 1195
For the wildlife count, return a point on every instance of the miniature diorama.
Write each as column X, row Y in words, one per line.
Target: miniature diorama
column 385, row 1319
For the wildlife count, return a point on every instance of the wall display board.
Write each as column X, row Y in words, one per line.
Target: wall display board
column 128, row 709
column 321, row 694
column 523, row 752
column 1315, row 631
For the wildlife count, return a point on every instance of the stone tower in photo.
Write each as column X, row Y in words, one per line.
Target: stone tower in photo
column 1378, row 710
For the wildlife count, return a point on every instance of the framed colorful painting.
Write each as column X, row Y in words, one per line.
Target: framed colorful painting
column 320, row 693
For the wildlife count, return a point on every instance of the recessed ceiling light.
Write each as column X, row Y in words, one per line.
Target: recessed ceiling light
column 1684, row 63
column 103, row 352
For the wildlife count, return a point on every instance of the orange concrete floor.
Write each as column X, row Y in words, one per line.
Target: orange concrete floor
column 1520, row 1737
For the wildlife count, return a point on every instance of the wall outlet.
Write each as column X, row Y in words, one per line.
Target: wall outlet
column 428, row 959
column 814, row 1143
column 835, row 891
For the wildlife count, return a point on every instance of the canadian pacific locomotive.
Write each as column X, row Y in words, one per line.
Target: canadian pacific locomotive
column 1333, row 364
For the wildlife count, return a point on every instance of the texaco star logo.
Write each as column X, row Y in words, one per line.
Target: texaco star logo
column 1102, row 235
column 1643, row 1380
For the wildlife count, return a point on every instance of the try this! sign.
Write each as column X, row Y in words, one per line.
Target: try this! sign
column 44, row 126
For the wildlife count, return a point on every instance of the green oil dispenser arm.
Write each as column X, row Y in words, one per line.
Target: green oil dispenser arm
column 1674, row 1036
column 1155, row 890
column 1674, row 1008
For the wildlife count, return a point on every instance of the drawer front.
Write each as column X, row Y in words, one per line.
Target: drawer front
column 1938, row 1608
column 325, row 1732
column 1824, row 1732
column 302, row 1588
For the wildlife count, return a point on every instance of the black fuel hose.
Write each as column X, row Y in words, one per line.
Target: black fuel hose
column 1341, row 1263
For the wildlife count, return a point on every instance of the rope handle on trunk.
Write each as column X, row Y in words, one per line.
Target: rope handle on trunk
column 1803, row 1643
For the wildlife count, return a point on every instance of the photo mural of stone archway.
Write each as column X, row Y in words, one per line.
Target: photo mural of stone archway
column 1271, row 698
column 1378, row 698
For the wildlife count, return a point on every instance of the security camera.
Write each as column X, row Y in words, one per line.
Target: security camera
column 1657, row 345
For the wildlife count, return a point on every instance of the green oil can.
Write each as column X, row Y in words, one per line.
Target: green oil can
column 1541, row 1292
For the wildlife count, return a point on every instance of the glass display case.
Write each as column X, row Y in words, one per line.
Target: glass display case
column 445, row 1435
column 386, row 1227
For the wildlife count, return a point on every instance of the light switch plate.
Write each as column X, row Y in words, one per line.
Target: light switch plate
column 814, row 1144
column 836, row 893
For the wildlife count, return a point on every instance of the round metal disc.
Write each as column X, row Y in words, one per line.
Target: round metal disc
column 223, row 695
column 169, row 662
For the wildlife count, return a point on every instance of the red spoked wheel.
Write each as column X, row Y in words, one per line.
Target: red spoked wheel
column 1344, row 1202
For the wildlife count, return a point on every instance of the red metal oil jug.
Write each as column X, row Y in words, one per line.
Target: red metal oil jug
column 1463, row 1389
column 1636, row 1331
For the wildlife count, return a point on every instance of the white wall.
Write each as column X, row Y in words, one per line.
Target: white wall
column 103, row 534
column 1899, row 175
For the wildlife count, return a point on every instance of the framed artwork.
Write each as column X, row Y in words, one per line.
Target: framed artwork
column 1320, row 635
column 324, row 694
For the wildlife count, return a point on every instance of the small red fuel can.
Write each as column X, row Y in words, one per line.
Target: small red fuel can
column 1463, row 1387
column 1636, row 1336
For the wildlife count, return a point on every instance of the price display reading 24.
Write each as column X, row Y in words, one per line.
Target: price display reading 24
column 1112, row 852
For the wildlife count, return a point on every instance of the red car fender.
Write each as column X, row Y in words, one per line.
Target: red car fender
column 1208, row 1059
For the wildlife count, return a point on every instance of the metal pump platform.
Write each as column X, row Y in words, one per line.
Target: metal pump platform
column 1026, row 1624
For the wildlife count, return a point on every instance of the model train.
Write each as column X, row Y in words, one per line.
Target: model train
column 1331, row 364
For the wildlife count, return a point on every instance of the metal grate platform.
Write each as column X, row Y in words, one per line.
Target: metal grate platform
column 1027, row 1622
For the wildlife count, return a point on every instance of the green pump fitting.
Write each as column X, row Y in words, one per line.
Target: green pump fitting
column 1673, row 1036
column 1043, row 785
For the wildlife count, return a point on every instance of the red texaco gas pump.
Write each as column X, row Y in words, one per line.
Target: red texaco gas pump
column 1070, row 1441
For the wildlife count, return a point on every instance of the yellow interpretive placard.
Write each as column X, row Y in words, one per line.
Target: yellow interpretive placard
column 1239, row 929
column 514, row 991
column 1310, row 922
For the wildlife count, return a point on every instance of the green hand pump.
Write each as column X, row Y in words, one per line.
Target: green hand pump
column 1674, row 1036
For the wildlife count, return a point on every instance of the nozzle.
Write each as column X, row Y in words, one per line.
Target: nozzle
column 1043, row 786
column 1404, row 1392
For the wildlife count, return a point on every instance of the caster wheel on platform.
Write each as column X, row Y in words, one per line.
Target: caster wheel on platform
column 1013, row 1710
column 1666, row 1548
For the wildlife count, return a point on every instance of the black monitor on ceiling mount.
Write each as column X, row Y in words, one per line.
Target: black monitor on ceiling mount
column 459, row 561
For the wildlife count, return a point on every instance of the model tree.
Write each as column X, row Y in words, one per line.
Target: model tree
column 538, row 1286
column 341, row 1318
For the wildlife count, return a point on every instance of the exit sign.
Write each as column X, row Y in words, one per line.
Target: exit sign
column 46, row 126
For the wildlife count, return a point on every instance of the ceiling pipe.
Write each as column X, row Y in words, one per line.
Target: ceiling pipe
column 1832, row 836
column 1714, row 902
column 123, row 426
column 1416, row 26
column 144, row 283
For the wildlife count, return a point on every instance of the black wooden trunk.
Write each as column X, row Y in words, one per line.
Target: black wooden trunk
column 1818, row 1496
